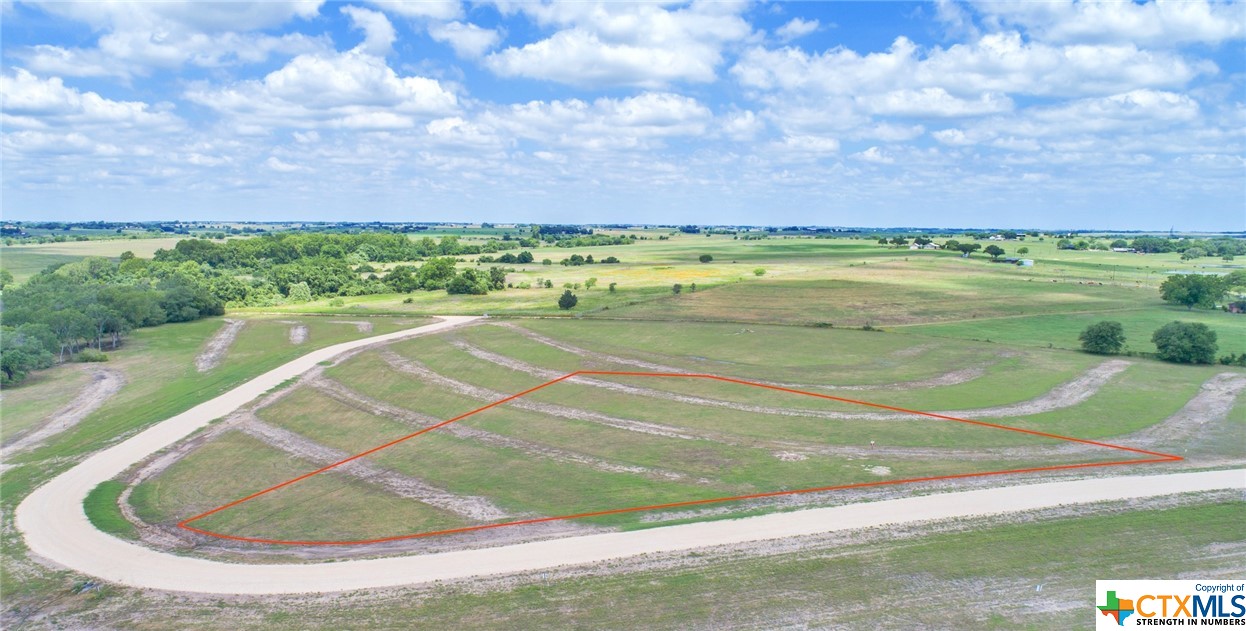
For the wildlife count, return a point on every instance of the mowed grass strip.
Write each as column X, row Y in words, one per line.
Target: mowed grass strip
column 327, row 506
column 519, row 482
column 1018, row 377
column 744, row 425
column 779, row 353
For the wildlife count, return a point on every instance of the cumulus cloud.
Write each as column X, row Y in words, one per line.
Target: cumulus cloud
column 435, row 9
column 140, row 37
column 873, row 155
column 796, row 28
column 1001, row 63
column 378, row 32
column 33, row 102
column 642, row 45
column 1162, row 23
column 468, row 40
column 352, row 90
column 622, row 123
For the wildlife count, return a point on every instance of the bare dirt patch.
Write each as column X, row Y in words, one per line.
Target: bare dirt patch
column 363, row 326
column 105, row 382
column 298, row 334
column 218, row 345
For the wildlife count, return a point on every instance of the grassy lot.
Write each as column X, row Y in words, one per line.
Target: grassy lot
column 41, row 394
column 531, row 484
column 949, row 580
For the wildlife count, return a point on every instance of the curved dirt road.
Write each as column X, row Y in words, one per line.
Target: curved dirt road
column 52, row 521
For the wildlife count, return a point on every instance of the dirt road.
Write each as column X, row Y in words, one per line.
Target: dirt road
column 52, row 521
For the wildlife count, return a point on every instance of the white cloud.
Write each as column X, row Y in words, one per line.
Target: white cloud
column 641, row 45
column 139, row 37
column 743, row 125
column 378, row 32
column 1157, row 23
column 934, row 102
column 468, row 40
column 996, row 63
column 796, row 28
column 276, row 164
column 435, row 9
column 31, row 101
column 633, row 122
column 873, row 155
column 351, row 89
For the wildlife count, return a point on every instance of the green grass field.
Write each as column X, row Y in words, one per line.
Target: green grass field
column 776, row 441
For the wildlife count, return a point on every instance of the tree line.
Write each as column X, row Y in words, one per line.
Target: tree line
column 66, row 309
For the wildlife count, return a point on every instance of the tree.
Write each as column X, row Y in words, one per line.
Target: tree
column 968, row 248
column 1120, row 243
column 1186, row 343
column 524, row 257
column 761, row 271
column 1192, row 290
column 994, row 250
column 497, row 278
column 402, row 279
column 1104, row 338
column 549, row 284
column 1023, row 251
column 567, row 300
column 469, row 281
column 1193, row 253
column 590, row 283
column 676, row 288
column 435, row 273
column 705, row 258
column 951, row 244
column 6, row 279
column 299, row 292
column 612, row 286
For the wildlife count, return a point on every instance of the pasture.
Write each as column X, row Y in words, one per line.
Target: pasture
column 607, row 441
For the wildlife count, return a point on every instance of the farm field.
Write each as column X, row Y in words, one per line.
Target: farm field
column 604, row 442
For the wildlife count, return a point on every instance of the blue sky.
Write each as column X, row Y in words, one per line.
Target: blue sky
column 1027, row 114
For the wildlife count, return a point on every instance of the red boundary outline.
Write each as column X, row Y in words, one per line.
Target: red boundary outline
column 1157, row 457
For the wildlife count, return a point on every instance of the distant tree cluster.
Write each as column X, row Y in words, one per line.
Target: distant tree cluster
column 95, row 302
column 576, row 260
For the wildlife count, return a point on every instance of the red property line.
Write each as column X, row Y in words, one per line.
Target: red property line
column 1157, row 458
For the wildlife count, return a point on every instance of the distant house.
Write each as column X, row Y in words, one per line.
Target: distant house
column 1026, row 262
column 1123, row 250
column 996, row 237
column 928, row 246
